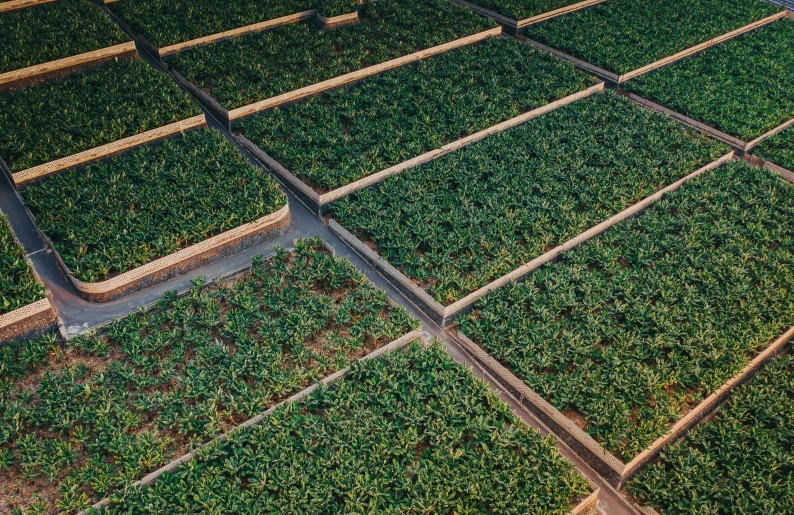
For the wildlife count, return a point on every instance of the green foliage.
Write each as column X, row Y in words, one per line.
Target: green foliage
column 242, row 70
column 128, row 210
column 167, row 22
column 641, row 323
column 412, row 432
column 490, row 207
column 84, row 419
column 623, row 35
column 54, row 30
column 521, row 9
column 779, row 149
column 18, row 286
column 739, row 462
column 741, row 87
column 333, row 139
column 83, row 110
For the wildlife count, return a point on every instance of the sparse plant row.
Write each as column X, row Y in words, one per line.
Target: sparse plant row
column 623, row 35
column 412, row 432
column 128, row 210
column 83, row 419
column 522, row 9
column 54, row 30
column 249, row 68
column 738, row 462
column 18, row 285
column 335, row 138
column 166, row 22
column 631, row 330
column 87, row 109
column 741, row 87
column 779, row 149
column 463, row 220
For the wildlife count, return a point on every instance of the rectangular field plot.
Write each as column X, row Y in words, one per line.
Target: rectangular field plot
column 740, row 458
column 778, row 149
column 82, row 419
column 64, row 116
column 463, row 220
column 336, row 138
column 54, row 30
column 410, row 432
column 623, row 35
column 249, row 68
column 741, row 87
column 167, row 22
column 635, row 332
column 111, row 218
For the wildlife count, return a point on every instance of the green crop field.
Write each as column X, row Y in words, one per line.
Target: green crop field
column 630, row 330
column 18, row 285
column 242, row 70
column 54, row 30
column 623, row 35
column 115, row 215
column 521, row 9
column 741, row 87
column 492, row 206
column 412, row 432
column 740, row 461
column 82, row 419
column 335, row 138
column 167, row 22
column 83, row 110
column 779, row 149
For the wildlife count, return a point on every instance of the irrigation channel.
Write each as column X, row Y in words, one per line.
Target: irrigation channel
column 78, row 316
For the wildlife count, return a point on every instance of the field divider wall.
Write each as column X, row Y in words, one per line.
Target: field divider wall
column 702, row 127
column 9, row 79
column 248, row 29
column 149, row 479
column 445, row 315
column 760, row 162
column 348, row 78
column 701, row 47
column 318, row 203
column 28, row 320
column 15, row 5
column 519, row 24
column 595, row 70
column 191, row 257
column 777, row 130
column 102, row 151
column 586, row 447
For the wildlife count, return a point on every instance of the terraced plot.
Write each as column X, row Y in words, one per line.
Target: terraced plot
column 86, row 109
column 333, row 139
column 82, row 419
column 738, row 461
column 54, row 30
column 166, row 22
column 623, row 35
column 465, row 219
column 115, row 215
column 257, row 66
column 741, row 87
column 18, row 285
column 407, row 433
column 628, row 332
